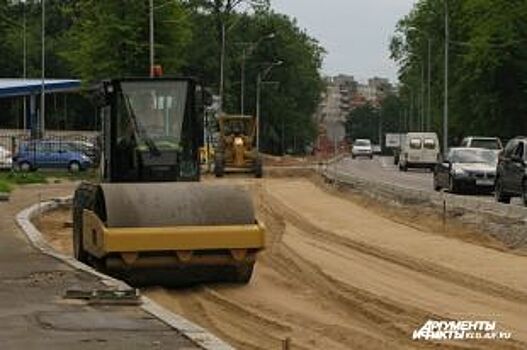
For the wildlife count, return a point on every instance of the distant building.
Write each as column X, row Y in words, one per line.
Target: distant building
column 343, row 94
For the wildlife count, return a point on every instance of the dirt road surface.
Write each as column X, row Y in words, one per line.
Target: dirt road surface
column 338, row 276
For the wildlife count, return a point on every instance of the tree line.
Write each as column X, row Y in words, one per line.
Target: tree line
column 94, row 40
column 487, row 65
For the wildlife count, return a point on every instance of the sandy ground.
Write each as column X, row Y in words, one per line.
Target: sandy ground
column 337, row 275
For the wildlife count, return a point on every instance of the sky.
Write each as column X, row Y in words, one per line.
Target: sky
column 355, row 33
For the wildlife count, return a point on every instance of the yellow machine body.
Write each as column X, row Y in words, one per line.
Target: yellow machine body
column 180, row 245
column 236, row 150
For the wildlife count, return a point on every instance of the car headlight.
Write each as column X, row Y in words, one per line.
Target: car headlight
column 459, row 172
column 238, row 141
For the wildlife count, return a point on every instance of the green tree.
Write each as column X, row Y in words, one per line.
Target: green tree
column 488, row 63
column 111, row 38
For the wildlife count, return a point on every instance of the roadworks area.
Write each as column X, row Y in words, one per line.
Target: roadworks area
column 344, row 271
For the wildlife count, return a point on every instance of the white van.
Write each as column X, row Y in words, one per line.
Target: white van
column 419, row 150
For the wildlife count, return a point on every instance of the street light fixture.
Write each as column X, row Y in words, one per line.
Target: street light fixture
column 261, row 76
column 247, row 50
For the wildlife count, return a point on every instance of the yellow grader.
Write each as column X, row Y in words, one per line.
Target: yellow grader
column 150, row 213
column 236, row 151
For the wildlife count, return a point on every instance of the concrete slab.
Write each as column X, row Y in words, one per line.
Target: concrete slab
column 33, row 312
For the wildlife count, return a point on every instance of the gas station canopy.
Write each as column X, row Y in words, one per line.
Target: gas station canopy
column 26, row 87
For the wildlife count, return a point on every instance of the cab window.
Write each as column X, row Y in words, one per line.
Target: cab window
column 519, row 151
column 415, row 143
column 510, row 148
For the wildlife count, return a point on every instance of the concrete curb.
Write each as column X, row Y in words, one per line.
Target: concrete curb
column 411, row 195
column 195, row 333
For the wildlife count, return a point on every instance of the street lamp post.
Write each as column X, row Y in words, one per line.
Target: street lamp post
column 43, row 73
column 247, row 50
column 259, row 78
column 151, row 38
column 445, row 107
column 429, row 115
column 428, row 123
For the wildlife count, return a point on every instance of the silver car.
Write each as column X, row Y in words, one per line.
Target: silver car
column 6, row 160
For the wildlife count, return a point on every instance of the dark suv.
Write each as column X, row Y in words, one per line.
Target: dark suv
column 511, row 178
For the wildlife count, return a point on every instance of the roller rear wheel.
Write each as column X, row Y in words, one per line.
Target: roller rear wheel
column 241, row 273
column 84, row 198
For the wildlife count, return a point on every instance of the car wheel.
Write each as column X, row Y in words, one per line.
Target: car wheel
column 452, row 185
column 524, row 192
column 501, row 196
column 258, row 168
column 25, row 166
column 74, row 167
column 219, row 166
column 437, row 187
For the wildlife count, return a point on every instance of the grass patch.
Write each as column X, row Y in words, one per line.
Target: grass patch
column 5, row 187
column 20, row 178
column 8, row 180
column 87, row 175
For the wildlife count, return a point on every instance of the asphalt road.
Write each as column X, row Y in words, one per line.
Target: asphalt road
column 382, row 169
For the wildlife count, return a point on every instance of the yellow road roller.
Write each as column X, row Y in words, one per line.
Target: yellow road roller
column 149, row 212
column 235, row 151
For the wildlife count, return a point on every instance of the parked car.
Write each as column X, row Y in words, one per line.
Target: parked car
column 466, row 169
column 362, row 148
column 87, row 148
column 419, row 150
column 511, row 178
column 493, row 143
column 6, row 162
column 51, row 154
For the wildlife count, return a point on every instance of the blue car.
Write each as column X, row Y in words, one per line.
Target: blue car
column 51, row 154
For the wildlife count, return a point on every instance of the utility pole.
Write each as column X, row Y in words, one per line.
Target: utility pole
column 429, row 112
column 422, row 97
column 151, row 38
column 42, row 123
column 222, row 64
column 258, row 87
column 247, row 50
column 445, row 107
column 24, row 70
column 261, row 75
column 242, row 82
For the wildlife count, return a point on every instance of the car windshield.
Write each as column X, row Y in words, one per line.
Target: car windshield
column 415, row 143
column 486, row 143
column 154, row 111
column 363, row 143
column 430, row 144
column 473, row 156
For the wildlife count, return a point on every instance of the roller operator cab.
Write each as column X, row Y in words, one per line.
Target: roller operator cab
column 150, row 213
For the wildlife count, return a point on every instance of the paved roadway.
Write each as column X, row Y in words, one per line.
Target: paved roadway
column 382, row 169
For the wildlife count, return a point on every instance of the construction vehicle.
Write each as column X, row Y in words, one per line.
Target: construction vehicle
column 236, row 150
column 149, row 212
